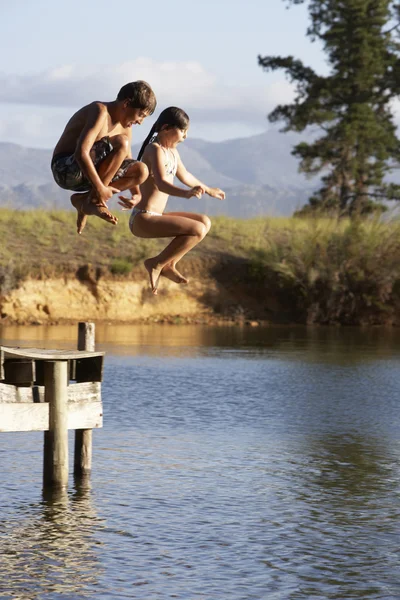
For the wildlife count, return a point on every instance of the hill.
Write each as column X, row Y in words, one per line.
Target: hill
column 258, row 174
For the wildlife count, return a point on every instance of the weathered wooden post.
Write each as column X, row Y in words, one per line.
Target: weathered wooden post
column 83, row 437
column 36, row 394
column 55, row 463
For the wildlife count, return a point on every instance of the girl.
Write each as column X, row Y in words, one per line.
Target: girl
column 148, row 220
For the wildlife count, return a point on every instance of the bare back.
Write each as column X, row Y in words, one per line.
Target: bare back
column 81, row 120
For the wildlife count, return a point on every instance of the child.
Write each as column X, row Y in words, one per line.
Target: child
column 94, row 156
column 148, row 219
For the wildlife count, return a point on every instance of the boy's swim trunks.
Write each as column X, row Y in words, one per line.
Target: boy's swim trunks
column 68, row 175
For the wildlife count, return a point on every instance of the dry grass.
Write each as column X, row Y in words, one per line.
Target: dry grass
column 330, row 270
column 44, row 243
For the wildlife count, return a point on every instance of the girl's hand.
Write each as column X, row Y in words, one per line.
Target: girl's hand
column 216, row 193
column 196, row 191
column 136, row 194
column 128, row 203
column 106, row 192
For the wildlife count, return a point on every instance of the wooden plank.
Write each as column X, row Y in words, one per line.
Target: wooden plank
column 11, row 393
column 84, row 392
column 35, row 417
column 19, row 371
column 77, row 392
column 89, row 369
column 44, row 354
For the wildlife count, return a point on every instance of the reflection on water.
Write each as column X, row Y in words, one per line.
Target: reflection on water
column 342, row 345
column 234, row 463
column 48, row 547
column 357, row 470
column 347, row 518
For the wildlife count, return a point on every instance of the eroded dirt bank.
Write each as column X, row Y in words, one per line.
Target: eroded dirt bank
column 85, row 296
column 222, row 289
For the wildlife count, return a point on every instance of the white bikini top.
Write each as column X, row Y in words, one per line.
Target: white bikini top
column 170, row 159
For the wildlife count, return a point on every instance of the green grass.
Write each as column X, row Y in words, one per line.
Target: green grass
column 121, row 266
column 46, row 243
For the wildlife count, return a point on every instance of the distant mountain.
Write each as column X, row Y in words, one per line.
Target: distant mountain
column 263, row 159
column 258, row 174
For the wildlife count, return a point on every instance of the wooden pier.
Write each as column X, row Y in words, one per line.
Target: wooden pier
column 53, row 391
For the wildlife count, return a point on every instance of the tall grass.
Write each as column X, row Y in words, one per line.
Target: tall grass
column 327, row 270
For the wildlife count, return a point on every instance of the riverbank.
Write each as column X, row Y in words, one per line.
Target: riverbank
column 263, row 270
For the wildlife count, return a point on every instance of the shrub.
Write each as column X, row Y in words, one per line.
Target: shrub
column 121, row 266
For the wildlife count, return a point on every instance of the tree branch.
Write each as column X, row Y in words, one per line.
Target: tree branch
column 391, row 29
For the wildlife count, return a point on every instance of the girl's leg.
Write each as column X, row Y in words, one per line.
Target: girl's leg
column 196, row 217
column 186, row 232
column 170, row 271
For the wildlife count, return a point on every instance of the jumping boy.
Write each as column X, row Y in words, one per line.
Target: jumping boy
column 93, row 156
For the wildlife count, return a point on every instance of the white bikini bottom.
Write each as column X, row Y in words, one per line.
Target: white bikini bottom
column 136, row 211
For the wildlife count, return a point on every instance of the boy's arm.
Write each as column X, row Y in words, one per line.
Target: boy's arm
column 190, row 180
column 97, row 115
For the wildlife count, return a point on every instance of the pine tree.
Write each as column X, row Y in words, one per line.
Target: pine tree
column 358, row 146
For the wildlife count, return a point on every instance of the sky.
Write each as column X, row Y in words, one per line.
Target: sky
column 200, row 56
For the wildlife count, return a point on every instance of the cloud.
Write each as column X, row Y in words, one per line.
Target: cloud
column 185, row 84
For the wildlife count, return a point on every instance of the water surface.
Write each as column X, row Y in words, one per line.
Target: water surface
column 233, row 463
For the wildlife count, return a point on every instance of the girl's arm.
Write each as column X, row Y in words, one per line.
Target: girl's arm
column 155, row 156
column 155, row 161
column 190, row 180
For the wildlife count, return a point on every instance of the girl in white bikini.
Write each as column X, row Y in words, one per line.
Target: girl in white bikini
column 148, row 219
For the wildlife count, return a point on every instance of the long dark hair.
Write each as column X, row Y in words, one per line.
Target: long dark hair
column 170, row 117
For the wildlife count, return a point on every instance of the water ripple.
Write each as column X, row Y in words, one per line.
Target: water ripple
column 264, row 470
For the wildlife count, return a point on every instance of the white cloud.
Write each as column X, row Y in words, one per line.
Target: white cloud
column 185, row 84
column 34, row 108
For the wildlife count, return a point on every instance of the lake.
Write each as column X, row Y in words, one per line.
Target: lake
column 234, row 463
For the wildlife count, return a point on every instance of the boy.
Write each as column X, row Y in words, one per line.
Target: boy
column 93, row 156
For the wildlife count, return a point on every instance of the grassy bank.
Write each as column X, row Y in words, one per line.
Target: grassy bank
column 310, row 270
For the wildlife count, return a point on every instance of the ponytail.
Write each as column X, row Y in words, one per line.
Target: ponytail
column 146, row 141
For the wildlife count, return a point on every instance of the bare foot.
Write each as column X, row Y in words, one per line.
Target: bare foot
column 154, row 273
column 77, row 201
column 170, row 272
column 84, row 206
column 98, row 210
